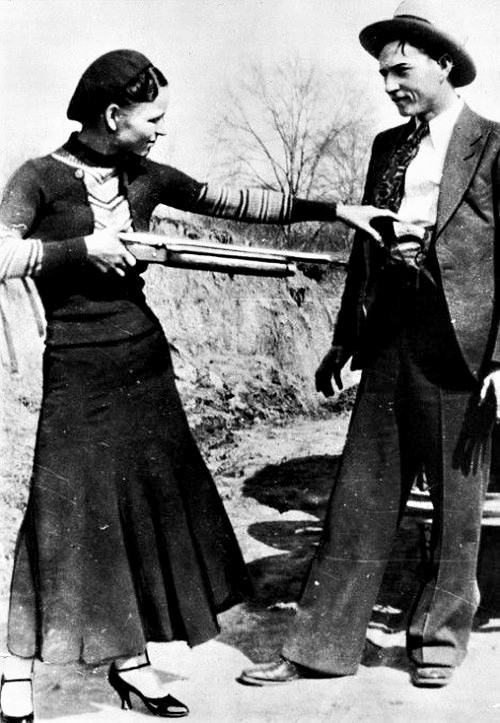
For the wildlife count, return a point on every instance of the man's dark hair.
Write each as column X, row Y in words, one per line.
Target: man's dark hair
column 433, row 51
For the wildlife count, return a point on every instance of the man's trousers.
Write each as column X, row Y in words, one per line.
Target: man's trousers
column 414, row 413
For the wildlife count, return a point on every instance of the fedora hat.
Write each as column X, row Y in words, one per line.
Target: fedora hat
column 422, row 24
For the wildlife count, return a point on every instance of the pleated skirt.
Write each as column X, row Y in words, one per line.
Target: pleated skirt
column 125, row 539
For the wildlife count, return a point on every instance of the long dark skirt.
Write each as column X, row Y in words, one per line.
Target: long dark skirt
column 125, row 538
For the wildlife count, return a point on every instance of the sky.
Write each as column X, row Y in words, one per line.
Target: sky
column 201, row 46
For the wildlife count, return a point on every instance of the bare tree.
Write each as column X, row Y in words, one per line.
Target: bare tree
column 296, row 129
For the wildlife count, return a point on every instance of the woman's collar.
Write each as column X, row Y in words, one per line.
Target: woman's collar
column 91, row 157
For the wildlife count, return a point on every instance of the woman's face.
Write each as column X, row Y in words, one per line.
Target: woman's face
column 138, row 126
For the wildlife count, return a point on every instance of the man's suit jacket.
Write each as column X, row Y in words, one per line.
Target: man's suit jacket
column 466, row 238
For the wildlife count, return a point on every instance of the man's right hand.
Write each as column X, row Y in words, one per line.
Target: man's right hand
column 331, row 366
column 106, row 251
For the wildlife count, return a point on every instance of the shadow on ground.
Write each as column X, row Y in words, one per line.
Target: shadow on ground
column 303, row 485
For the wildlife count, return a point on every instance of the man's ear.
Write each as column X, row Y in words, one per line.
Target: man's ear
column 445, row 62
column 111, row 117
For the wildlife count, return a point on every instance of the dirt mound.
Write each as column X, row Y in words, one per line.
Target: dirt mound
column 245, row 348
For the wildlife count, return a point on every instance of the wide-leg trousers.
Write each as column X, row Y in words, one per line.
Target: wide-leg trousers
column 406, row 420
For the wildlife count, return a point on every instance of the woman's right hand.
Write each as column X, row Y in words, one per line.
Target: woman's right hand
column 106, row 251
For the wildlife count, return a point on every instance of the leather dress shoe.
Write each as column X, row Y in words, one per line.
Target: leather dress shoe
column 431, row 676
column 279, row 671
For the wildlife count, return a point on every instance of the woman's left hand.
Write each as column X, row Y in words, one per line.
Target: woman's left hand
column 360, row 217
column 107, row 252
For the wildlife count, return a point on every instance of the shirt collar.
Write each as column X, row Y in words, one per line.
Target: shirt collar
column 441, row 126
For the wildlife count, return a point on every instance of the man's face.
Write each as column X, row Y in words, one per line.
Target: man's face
column 414, row 81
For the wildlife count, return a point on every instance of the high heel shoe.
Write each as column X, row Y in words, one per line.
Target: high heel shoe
column 4, row 718
column 165, row 707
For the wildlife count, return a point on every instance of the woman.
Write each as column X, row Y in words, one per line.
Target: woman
column 125, row 539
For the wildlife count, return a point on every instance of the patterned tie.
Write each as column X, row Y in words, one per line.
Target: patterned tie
column 388, row 193
column 390, row 188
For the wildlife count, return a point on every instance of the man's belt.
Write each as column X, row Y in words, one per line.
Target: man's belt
column 408, row 246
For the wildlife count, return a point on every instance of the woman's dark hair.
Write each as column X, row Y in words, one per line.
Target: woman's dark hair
column 144, row 88
column 120, row 76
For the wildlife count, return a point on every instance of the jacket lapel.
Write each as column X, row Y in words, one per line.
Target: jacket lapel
column 464, row 153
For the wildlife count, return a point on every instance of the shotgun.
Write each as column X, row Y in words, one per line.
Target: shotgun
column 209, row 255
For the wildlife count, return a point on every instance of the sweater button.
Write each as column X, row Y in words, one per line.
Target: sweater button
column 79, row 173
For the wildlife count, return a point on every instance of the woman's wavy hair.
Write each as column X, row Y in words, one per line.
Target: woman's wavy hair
column 144, row 88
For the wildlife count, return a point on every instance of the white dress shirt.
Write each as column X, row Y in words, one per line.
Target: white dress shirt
column 424, row 173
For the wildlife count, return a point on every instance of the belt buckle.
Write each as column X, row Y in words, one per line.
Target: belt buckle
column 410, row 232
column 407, row 233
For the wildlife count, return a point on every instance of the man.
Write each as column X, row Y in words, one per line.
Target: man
column 420, row 317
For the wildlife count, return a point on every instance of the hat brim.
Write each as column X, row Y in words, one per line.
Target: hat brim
column 423, row 35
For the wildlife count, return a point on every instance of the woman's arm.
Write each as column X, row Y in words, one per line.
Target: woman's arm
column 358, row 217
column 262, row 206
column 21, row 255
column 18, row 259
column 257, row 205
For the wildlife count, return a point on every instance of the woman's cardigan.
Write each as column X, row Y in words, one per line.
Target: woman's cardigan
column 47, row 200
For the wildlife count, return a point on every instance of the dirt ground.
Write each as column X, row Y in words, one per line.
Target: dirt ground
column 275, row 483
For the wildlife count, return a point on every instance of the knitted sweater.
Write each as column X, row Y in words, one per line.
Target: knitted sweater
column 47, row 199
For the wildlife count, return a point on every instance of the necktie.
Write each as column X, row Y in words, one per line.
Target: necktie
column 388, row 194
column 390, row 187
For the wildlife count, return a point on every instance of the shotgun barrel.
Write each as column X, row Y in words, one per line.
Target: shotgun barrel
column 212, row 256
column 249, row 267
